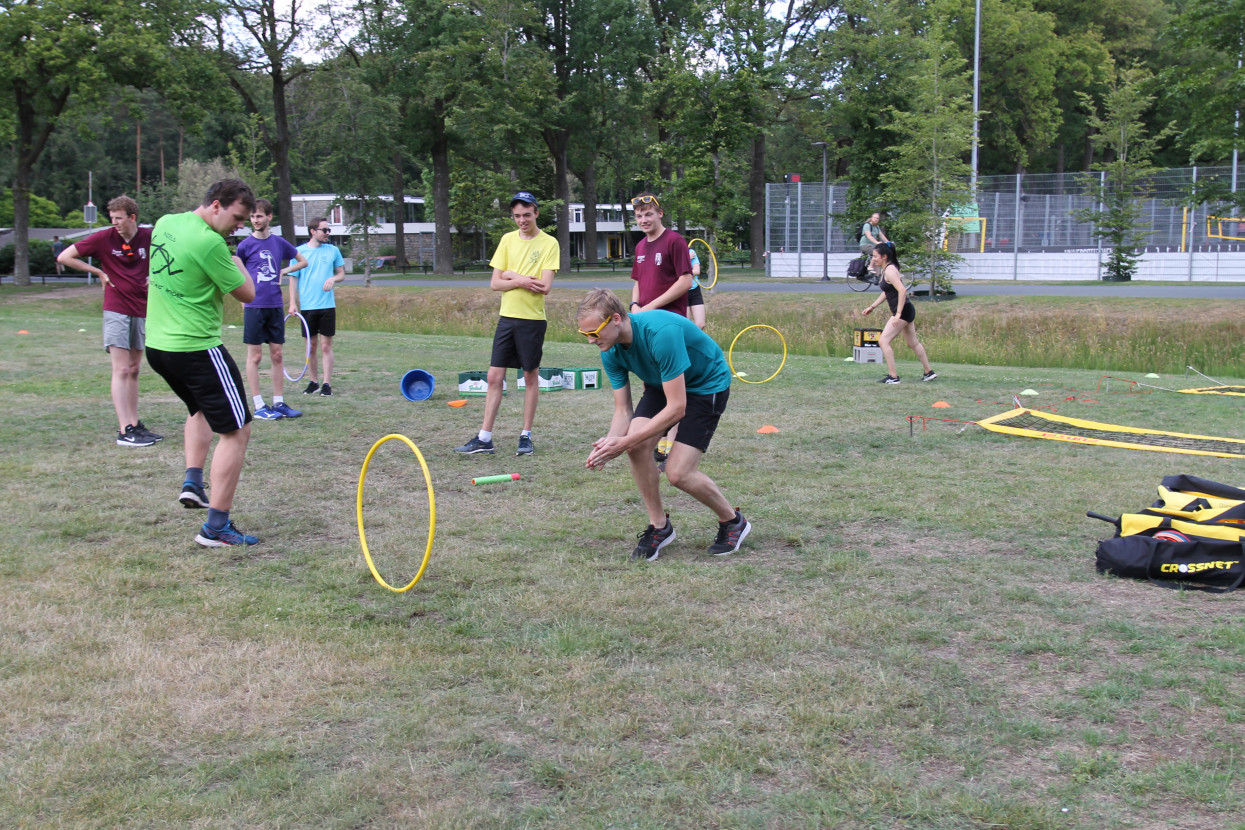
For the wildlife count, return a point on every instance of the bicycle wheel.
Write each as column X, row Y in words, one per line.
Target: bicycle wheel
column 860, row 284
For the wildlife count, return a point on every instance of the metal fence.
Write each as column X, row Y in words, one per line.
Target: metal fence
column 1026, row 226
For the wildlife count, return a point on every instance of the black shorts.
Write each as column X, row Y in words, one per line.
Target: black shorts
column 700, row 420
column 695, row 296
column 519, row 343
column 263, row 325
column 909, row 312
column 321, row 321
column 207, row 381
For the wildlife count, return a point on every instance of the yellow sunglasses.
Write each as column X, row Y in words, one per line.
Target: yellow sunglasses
column 645, row 200
column 597, row 332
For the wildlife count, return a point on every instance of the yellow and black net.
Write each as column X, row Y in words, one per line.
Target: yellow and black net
column 1239, row 391
column 1058, row 428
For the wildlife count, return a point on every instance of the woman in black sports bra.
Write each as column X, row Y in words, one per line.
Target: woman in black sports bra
column 903, row 314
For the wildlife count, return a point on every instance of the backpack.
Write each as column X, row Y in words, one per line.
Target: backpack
column 1192, row 537
column 857, row 268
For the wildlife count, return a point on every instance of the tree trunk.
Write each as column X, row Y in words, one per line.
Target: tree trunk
column 556, row 140
column 399, row 212
column 21, row 195
column 443, row 252
column 589, row 180
column 280, row 149
column 756, row 200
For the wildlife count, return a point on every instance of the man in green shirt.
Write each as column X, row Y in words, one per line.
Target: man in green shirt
column 191, row 271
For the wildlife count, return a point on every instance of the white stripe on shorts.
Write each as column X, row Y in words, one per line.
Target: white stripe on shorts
column 232, row 393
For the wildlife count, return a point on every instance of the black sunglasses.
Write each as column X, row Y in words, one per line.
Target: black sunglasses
column 326, row 230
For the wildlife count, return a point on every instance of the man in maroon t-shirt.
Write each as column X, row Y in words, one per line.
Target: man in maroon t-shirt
column 122, row 255
column 663, row 268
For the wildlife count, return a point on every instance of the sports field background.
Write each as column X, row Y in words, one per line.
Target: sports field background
column 913, row 636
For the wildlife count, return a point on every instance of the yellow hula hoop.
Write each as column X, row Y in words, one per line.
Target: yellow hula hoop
column 713, row 257
column 432, row 512
column 780, row 365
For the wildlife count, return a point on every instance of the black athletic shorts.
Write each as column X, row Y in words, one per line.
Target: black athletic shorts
column 700, row 420
column 321, row 321
column 263, row 325
column 207, row 381
column 519, row 343
column 695, row 296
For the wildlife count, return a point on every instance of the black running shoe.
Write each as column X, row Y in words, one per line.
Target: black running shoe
column 193, row 496
column 312, row 386
column 652, row 540
column 731, row 535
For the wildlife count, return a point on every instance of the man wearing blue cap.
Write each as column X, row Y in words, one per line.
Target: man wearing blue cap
column 524, row 266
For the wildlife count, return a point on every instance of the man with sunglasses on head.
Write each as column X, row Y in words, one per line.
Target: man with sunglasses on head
column 524, row 265
column 662, row 270
column 311, row 290
column 687, row 383
column 122, row 253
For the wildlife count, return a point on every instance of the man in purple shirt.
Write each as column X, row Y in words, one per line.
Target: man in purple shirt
column 264, row 317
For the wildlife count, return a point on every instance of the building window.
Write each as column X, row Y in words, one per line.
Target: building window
column 336, row 215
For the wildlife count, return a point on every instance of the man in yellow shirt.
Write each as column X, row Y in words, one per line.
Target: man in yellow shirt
column 524, row 266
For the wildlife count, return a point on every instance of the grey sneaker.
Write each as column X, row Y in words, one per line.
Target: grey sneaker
column 652, row 540
column 475, row 445
column 225, row 537
column 525, row 445
column 731, row 535
column 133, row 438
column 193, row 496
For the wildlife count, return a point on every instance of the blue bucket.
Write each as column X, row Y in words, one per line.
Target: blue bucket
column 418, row 385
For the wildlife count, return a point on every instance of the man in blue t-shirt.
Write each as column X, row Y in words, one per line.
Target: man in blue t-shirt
column 264, row 317
column 686, row 382
column 312, row 291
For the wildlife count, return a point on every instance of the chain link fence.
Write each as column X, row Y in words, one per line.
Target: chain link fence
column 1025, row 227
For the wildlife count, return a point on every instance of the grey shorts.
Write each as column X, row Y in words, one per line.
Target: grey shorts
column 124, row 331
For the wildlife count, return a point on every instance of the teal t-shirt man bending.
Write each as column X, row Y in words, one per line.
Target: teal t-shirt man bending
column 686, row 382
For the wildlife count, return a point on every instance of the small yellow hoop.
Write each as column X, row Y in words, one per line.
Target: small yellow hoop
column 432, row 512
column 731, row 350
column 713, row 258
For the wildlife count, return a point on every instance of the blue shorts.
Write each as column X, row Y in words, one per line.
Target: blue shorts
column 263, row 325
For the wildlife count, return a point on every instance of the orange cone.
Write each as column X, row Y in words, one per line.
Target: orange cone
column 768, row 428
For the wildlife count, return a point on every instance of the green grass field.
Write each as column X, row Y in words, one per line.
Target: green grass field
column 913, row 636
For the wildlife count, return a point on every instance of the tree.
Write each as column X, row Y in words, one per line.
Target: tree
column 60, row 54
column 259, row 37
column 927, row 176
column 1120, row 218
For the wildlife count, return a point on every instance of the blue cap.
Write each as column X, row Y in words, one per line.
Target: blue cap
column 525, row 197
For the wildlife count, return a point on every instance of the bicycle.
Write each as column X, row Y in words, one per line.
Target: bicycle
column 864, row 279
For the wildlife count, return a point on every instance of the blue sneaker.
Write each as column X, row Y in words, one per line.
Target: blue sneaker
column 475, row 445
column 286, row 410
column 227, row 537
column 267, row 413
column 193, row 496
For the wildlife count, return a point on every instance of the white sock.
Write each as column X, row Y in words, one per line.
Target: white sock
column 486, row 436
column 527, row 433
column 276, row 399
column 259, row 401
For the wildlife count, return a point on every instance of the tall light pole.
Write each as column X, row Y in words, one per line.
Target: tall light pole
column 825, row 216
column 976, row 93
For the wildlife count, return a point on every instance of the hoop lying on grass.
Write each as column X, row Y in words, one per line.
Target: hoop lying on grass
column 307, row 357
column 432, row 512
column 731, row 350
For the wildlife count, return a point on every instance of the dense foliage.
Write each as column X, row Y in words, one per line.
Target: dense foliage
column 591, row 100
